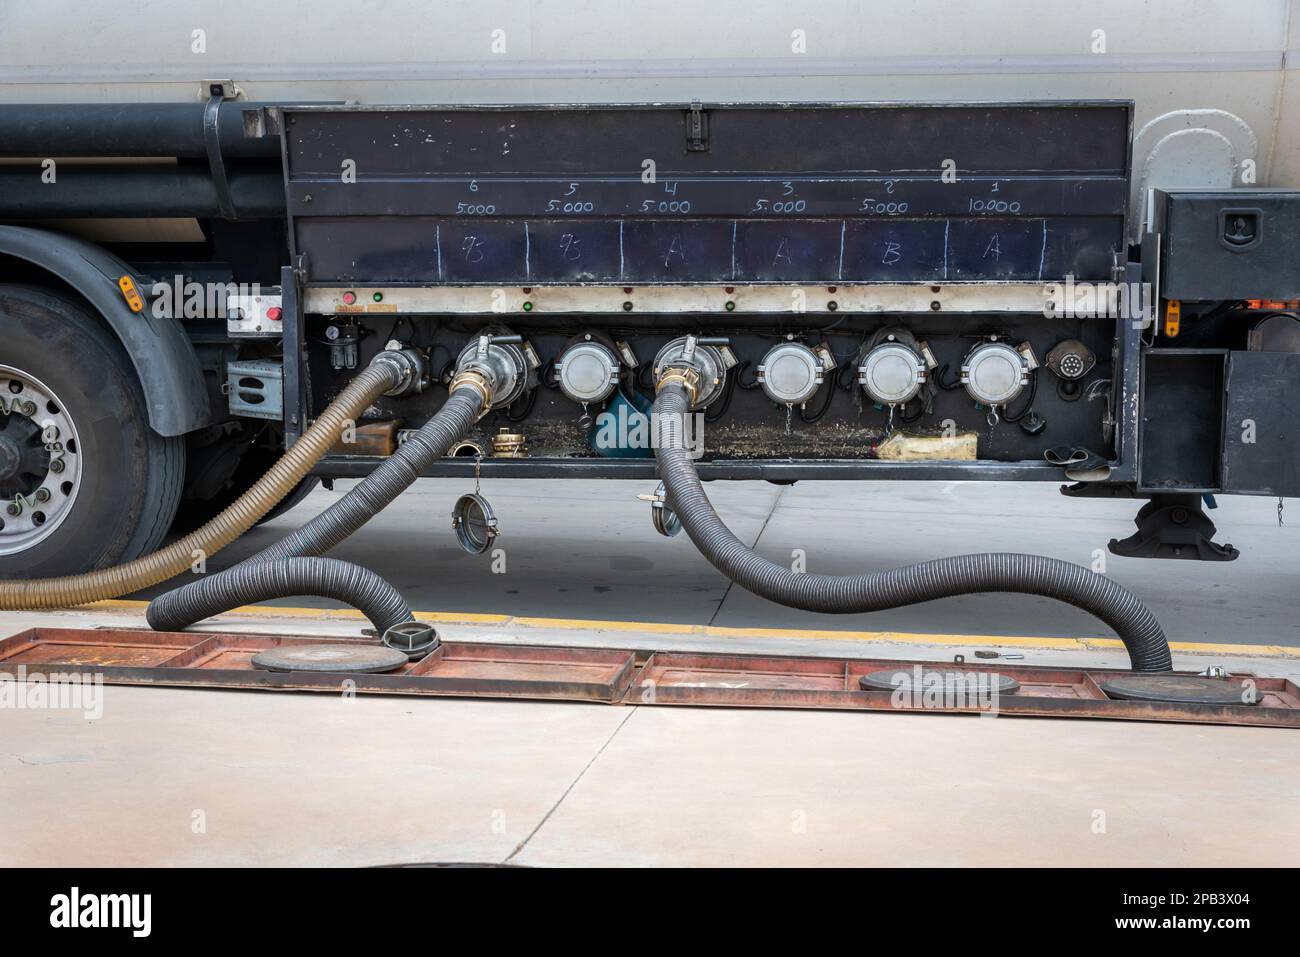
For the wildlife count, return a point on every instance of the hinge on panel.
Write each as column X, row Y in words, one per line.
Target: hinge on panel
column 697, row 129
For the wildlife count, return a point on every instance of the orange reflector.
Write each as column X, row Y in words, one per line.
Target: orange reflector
column 1277, row 305
column 131, row 294
column 1173, row 317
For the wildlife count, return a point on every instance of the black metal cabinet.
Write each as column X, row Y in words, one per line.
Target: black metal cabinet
column 1219, row 421
column 1229, row 244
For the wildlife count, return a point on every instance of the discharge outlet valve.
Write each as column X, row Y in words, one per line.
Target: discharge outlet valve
column 700, row 363
column 893, row 371
column 502, row 365
column 994, row 373
column 587, row 370
column 791, row 373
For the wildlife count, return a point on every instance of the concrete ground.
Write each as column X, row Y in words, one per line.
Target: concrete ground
column 170, row 776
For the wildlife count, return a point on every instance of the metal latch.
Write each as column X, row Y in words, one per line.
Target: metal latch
column 697, row 129
column 1241, row 228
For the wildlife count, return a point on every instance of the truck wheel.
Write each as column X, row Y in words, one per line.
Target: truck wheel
column 84, row 481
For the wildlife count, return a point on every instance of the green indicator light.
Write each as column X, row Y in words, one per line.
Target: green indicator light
column 528, row 306
column 731, row 306
column 379, row 297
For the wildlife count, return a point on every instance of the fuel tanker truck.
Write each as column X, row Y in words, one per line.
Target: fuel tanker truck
column 247, row 247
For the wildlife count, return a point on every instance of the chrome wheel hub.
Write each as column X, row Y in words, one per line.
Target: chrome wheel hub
column 40, row 461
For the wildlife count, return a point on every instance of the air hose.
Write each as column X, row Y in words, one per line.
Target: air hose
column 389, row 372
column 849, row 594
column 236, row 585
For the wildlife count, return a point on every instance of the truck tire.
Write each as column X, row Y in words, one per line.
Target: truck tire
column 84, row 481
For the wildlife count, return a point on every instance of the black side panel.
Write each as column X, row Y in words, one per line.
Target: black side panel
column 1261, row 452
column 778, row 194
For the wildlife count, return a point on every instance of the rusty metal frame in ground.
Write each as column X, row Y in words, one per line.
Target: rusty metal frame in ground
column 610, row 676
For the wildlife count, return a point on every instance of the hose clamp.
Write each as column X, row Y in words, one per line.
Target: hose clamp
column 473, row 379
column 686, row 376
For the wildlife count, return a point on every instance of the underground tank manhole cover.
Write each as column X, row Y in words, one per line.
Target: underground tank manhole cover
column 1180, row 689
column 330, row 659
column 947, row 679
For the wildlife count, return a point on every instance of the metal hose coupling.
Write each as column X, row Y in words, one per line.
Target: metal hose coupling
column 688, row 377
column 698, row 364
column 476, row 381
column 408, row 368
column 504, row 366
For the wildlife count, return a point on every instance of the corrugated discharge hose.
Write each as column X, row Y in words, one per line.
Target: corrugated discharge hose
column 247, row 583
column 283, row 566
column 281, row 479
column 849, row 594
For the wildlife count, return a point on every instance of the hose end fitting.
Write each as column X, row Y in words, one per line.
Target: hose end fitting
column 697, row 363
column 688, row 377
column 476, row 380
column 407, row 366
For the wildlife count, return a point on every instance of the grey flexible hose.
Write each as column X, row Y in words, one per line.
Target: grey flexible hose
column 230, row 588
column 848, row 594
column 247, row 583
column 376, row 492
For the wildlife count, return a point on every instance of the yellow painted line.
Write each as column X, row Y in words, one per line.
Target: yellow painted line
column 278, row 611
column 717, row 631
column 895, row 636
column 469, row 618
column 1203, row 647
column 589, row 624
